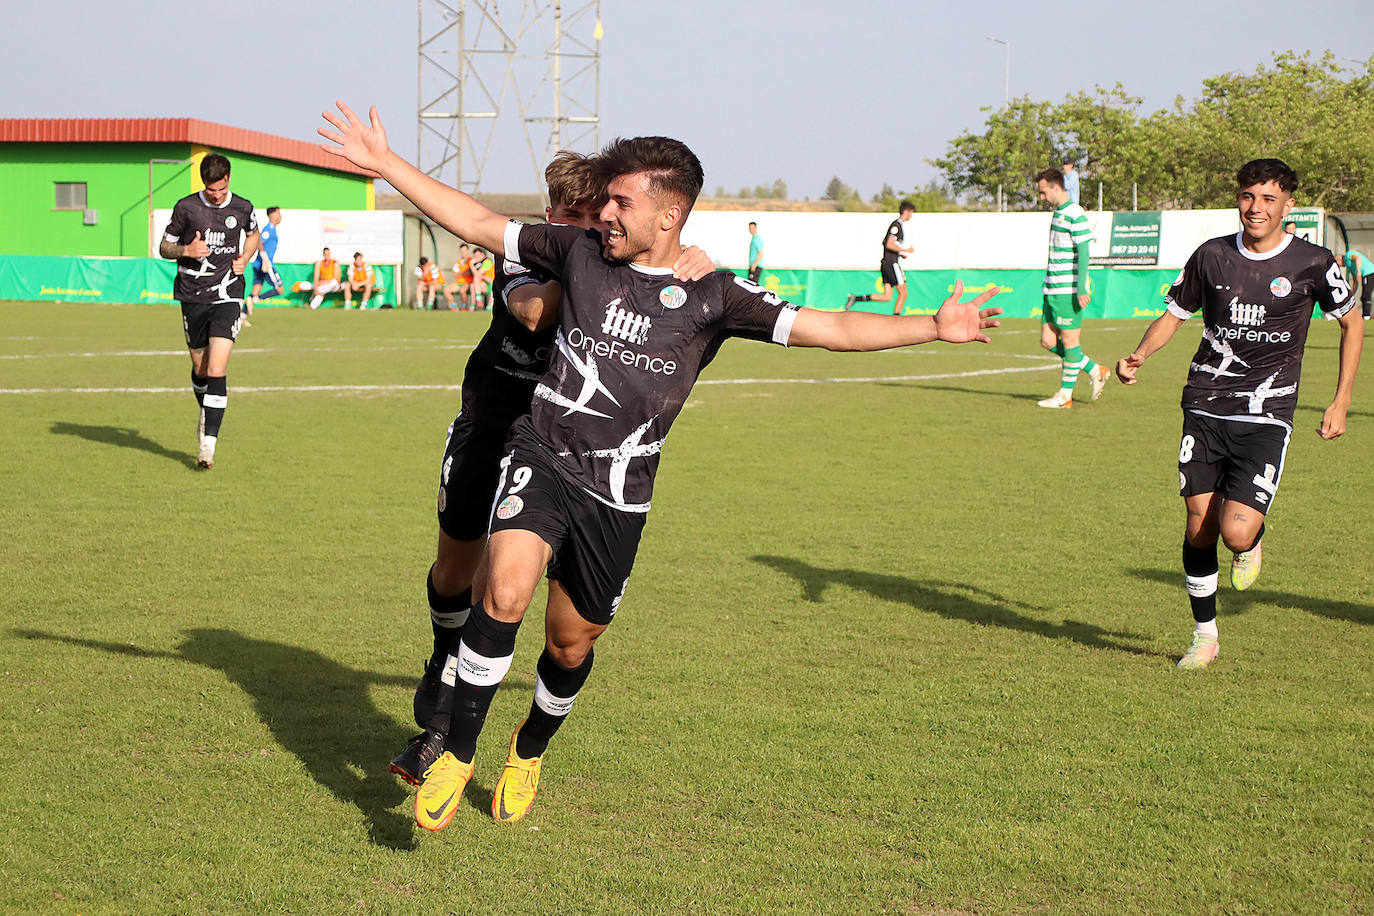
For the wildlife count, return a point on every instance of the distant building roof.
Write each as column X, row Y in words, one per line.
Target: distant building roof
column 172, row 130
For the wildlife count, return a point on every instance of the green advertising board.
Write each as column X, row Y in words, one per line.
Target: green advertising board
column 1134, row 240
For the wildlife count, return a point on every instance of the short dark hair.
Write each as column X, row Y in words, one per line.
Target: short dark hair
column 1053, row 176
column 322, row 252
column 271, row 210
column 572, row 179
column 754, row 224
column 357, row 254
column 672, row 169
column 214, row 167
column 1263, row 171
column 905, row 206
column 424, row 261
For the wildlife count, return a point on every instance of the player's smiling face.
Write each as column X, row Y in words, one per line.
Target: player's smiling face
column 631, row 217
column 1263, row 208
column 217, row 192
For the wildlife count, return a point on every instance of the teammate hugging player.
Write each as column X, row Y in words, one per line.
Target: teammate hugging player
column 212, row 235
column 578, row 475
column 498, row 386
column 1256, row 290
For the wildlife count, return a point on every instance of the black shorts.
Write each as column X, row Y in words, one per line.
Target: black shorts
column 1241, row 460
column 594, row 546
column 468, row 476
column 203, row 321
column 892, row 272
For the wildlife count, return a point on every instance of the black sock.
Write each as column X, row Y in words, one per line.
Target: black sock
column 215, row 402
column 554, row 693
column 1200, row 577
column 485, row 650
column 198, row 387
column 447, row 614
column 862, row 298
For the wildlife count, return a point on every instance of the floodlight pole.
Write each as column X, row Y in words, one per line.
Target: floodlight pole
column 1006, row 91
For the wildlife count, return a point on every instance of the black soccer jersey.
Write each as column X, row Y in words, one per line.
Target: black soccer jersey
column 510, row 358
column 894, row 231
column 631, row 342
column 225, row 229
column 1256, row 311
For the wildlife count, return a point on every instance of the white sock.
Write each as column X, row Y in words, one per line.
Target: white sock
column 1207, row 629
column 315, row 303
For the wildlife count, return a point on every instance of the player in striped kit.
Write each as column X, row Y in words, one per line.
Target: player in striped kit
column 1066, row 290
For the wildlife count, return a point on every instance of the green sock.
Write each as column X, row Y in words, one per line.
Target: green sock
column 1073, row 364
column 1059, row 348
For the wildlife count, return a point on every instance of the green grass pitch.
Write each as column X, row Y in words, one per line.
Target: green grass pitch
column 897, row 641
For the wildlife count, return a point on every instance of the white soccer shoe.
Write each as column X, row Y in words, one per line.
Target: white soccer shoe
column 1061, row 400
column 206, row 458
column 1099, row 378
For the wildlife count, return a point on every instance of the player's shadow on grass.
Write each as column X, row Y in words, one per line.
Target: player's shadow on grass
column 1239, row 602
column 1007, row 395
column 124, row 437
column 318, row 710
column 953, row 600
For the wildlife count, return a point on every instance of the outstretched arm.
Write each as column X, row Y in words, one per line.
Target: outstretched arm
column 1160, row 332
column 365, row 146
column 955, row 322
column 1352, row 344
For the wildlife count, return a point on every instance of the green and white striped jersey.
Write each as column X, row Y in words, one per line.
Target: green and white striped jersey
column 1064, row 276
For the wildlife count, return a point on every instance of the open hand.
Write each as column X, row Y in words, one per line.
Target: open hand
column 962, row 322
column 361, row 144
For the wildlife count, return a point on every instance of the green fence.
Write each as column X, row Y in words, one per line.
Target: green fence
column 1116, row 292
column 135, row 280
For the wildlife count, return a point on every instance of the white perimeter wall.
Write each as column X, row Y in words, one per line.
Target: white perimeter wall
column 943, row 241
column 378, row 234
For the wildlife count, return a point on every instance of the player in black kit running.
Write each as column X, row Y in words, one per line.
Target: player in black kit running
column 578, row 476
column 212, row 234
column 1256, row 290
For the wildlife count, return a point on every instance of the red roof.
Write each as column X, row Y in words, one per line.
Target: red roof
column 172, row 130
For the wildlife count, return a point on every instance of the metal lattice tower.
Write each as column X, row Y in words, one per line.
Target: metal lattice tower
column 476, row 65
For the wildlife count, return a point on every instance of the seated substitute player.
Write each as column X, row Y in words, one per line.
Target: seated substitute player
column 578, row 474
column 361, row 279
column 429, row 281
column 483, row 272
column 212, row 235
column 498, row 385
column 893, row 276
column 326, row 279
column 462, row 279
column 1066, row 291
column 1256, row 291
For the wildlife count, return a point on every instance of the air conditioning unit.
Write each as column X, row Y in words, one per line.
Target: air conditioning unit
column 90, row 217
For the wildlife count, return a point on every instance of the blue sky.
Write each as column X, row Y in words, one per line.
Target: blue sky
column 760, row 90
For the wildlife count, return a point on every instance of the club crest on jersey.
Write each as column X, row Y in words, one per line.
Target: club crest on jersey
column 1280, row 287
column 672, row 297
column 231, row 221
column 509, row 507
column 626, row 325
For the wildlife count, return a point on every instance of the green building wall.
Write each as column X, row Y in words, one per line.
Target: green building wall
column 116, row 177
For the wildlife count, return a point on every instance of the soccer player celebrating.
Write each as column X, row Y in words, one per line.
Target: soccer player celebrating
column 578, row 474
column 1066, row 290
column 212, row 235
column 1256, row 291
column 498, row 386
column 891, row 270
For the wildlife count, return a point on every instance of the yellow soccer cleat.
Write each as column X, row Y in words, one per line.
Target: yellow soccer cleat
column 442, row 791
column 1245, row 568
column 519, row 784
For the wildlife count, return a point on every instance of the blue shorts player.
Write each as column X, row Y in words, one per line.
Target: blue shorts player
column 264, row 265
